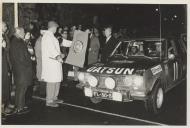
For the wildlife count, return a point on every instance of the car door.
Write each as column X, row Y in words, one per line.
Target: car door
column 182, row 51
column 172, row 65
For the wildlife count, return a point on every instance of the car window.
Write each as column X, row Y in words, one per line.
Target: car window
column 139, row 48
column 145, row 48
column 179, row 48
column 121, row 48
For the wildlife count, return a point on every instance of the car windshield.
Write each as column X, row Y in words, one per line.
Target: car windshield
column 148, row 49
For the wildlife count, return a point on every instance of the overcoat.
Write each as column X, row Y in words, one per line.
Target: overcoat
column 21, row 62
column 51, row 68
column 6, row 79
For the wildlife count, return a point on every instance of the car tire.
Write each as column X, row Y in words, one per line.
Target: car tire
column 95, row 100
column 154, row 103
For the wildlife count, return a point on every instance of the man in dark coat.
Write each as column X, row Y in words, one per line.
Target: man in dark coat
column 109, row 44
column 6, row 77
column 22, row 68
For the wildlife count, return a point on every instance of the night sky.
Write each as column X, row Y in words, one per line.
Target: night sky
column 131, row 16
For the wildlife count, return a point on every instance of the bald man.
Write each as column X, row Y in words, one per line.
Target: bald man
column 22, row 69
column 51, row 64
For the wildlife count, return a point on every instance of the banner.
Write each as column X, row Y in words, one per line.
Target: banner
column 77, row 50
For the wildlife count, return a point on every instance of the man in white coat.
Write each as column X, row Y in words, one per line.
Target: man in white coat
column 52, row 64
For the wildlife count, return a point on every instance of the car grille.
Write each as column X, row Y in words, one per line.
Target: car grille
column 119, row 81
column 102, row 81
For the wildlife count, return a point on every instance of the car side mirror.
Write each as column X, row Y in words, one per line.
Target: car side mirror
column 171, row 56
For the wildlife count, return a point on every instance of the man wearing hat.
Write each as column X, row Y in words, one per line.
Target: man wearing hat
column 51, row 64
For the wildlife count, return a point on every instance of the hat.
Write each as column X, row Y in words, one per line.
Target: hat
column 52, row 24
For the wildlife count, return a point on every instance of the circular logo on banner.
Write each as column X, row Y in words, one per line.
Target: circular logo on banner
column 78, row 46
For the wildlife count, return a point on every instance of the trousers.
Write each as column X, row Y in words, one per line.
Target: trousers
column 20, row 96
column 52, row 91
column 6, row 80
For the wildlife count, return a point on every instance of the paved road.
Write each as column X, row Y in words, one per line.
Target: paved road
column 77, row 110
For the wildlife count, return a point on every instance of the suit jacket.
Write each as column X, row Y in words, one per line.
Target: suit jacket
column 21, row 62
column 108, row 48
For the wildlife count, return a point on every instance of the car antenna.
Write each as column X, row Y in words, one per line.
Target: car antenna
column 160, row 26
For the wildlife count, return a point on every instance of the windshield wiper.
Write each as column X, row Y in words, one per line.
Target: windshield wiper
column 141, row 56
column 147, row 57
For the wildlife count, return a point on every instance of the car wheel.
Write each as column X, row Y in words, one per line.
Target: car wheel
column 155, row 100
column 95, row 100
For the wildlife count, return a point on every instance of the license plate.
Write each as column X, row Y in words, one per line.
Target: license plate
column 105, row 95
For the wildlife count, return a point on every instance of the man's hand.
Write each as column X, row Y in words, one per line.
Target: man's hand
column 59, row 58
column 62, row 56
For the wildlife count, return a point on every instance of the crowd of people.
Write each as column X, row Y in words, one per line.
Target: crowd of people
column 38, row 55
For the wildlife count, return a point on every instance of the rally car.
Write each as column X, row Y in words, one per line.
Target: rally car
column 138, row 69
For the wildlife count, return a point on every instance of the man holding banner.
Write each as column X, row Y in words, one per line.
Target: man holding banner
column 52, row 72
column 52, row 64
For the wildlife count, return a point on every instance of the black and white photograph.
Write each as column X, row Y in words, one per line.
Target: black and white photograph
column 97, row 64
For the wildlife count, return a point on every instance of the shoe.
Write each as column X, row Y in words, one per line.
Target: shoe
column 11, row 106
column 52, row 104
column 22, row 111
column 3, row 117
column 58, row 101
column 9, row 111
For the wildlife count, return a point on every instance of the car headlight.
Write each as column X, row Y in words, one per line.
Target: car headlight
column 134, row 80
column 138, row 81
column 110, row 83
column 93, row 82
column 81, row 76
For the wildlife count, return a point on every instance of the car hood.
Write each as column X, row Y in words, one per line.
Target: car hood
column 121, row 67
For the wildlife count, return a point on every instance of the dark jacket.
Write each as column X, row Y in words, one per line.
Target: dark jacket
column 5, row 70
column 108, row 48
column 21, row 62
